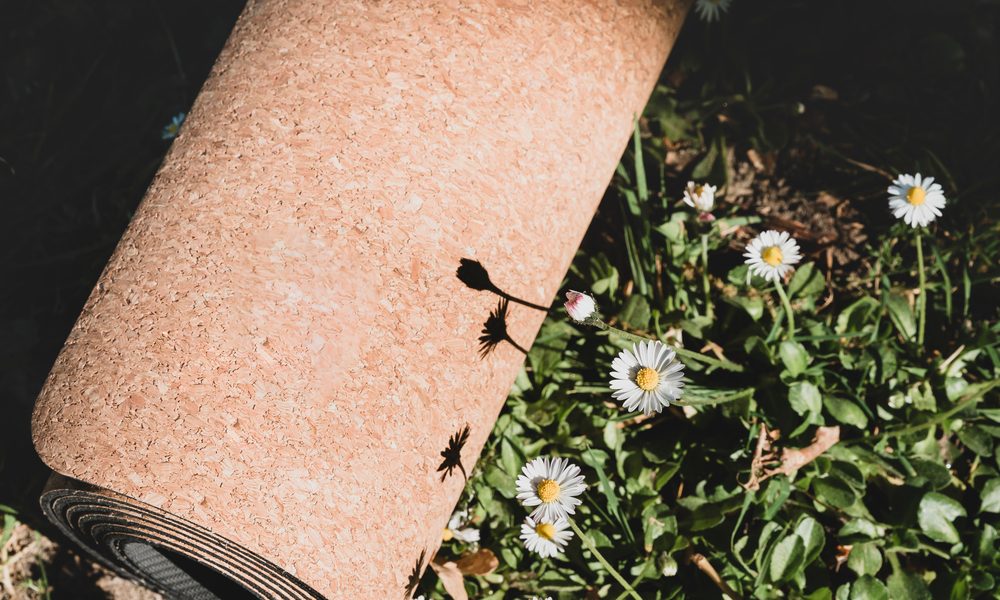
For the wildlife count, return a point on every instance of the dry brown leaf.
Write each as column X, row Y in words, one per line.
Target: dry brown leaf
column 790, row 459
column 451, row 578
column 843, row 553
column 824, row 92
column 755, row 159
column 793, row 459
column 482, row 562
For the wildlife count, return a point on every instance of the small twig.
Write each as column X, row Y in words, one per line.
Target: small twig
column 757, row 463
column 706, row 567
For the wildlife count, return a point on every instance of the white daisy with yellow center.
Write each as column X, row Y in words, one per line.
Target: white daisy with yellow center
column 551, row 485
column 545, row 538
column 456, row 531
column 700, row 196
column 711, row 10
column 772, row 254
column 647, row 377
column 915, row 199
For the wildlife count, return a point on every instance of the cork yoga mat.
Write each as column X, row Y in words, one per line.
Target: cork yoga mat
column 278, row 384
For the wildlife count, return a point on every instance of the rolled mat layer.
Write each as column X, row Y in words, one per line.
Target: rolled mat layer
column 279, row 378
column 168, row 554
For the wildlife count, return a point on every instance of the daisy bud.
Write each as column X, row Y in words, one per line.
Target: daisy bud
column 580, row 306
column 700, row 196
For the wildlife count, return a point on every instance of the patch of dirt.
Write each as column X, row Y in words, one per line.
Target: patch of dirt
column 827, row 226
column 32, row 565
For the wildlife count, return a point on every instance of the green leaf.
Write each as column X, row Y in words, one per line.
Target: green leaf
column 908, row 586
column 807, row 281
column 753, row 306
column 982, row 581
column 813, row 538
column 794, row 356
column 804, row 398
column 936, row 515
column 595, row 459
column 635, row 312
column 985, row 545
column 713, row 165
column 850, row 474
column 9, row 523
column 777, row 491
column 820, row 594
column 901, row 315
column 865, row 559
column 500, row 481
column 868, row 588
column 834, row 492
column 935, row 473
column 640, row 166
column 856, row 316
column 859, row 529
column 846, row 411
column 923, row 397
column 990, row 495
column 976, row 439
column 672, row 230
column 509, row 458
column 655, row 522
column 787, row 558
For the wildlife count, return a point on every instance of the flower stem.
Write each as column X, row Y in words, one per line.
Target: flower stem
column 600, row 557
column 714, row 362
column 787, row 306
column 922, row 299
column 706, row 285
column 631, row 336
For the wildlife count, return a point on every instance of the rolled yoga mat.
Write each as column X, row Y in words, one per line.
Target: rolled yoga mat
column 269, row 388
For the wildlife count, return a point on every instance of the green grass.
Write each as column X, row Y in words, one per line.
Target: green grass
column 913, row 486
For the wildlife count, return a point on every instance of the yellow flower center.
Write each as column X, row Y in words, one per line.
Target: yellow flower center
column 772, row 255
column 647, row 379
column 447, row 534
column 697, row 190
column 916, row 196
column 546, row 530
column 547, row 490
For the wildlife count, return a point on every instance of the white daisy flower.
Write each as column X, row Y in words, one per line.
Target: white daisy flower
column 545, row 538
column 700, row 196
column 454, row 530
column 772, row 254
column 580, row 306
column 551, row 485
column 647, row 377
column 711, row 10
column 916, row 200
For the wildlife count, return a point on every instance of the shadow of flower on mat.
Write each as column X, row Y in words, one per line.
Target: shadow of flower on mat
column 414, row 579
column 452, row 455
column 474, row 275
column 495, row 331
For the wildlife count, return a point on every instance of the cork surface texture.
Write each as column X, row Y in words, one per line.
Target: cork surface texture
column 279, row 349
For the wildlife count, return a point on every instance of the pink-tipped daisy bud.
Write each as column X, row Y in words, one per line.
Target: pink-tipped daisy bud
column 706, row 217
column 580, row 306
